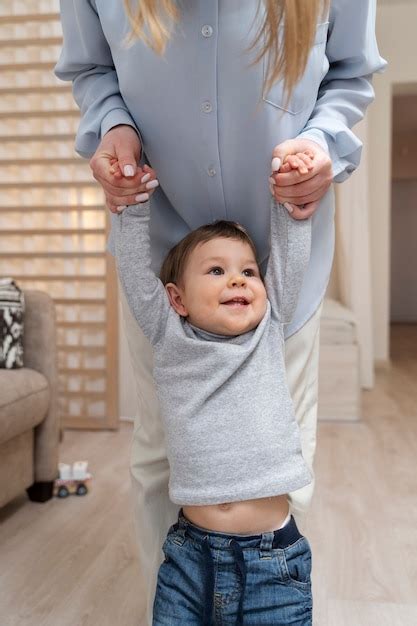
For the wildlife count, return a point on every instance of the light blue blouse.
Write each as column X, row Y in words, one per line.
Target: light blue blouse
column 207, row 128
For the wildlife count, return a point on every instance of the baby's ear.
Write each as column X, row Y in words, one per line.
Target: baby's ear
column 175, row 297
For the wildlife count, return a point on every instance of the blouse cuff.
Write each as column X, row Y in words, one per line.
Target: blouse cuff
column 115, row 117
column 89, row 135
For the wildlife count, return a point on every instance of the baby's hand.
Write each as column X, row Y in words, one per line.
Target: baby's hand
column 147, row 179
column 301, row 161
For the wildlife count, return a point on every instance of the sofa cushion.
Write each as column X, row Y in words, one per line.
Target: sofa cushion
column 24, row 401
column 337, row 324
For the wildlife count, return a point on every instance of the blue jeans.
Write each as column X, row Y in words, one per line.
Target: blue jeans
column 213, row 578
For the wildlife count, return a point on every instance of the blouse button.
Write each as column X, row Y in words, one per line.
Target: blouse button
column 211, row 171
column 207, row 31
column 207, row 107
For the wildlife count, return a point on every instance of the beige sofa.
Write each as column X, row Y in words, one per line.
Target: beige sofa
column 29, row 425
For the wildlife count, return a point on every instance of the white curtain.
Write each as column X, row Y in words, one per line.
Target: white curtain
column 352, row 262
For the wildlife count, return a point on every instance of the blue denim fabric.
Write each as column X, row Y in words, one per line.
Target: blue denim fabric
column 213, row 578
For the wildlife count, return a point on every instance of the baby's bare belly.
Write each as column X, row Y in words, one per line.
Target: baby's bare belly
column 248, row 517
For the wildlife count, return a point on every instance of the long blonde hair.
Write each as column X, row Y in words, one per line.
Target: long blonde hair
column 286, row 57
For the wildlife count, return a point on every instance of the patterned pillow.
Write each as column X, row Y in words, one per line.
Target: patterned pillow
column 12, row 307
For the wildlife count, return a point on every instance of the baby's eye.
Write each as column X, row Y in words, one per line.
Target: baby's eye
column 217, row 271
column 248, row 272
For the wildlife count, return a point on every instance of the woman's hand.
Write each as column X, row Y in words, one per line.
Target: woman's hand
column 300, row 191
column 125, row 183
column 148, row 179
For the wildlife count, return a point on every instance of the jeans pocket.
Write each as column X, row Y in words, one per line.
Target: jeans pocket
column 297, row 563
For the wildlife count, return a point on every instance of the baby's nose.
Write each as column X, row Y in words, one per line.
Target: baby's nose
column 238, row 280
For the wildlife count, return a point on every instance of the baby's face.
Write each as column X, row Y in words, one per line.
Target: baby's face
column 222, row 291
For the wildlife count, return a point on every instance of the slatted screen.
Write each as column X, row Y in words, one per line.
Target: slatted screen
column 53, row 223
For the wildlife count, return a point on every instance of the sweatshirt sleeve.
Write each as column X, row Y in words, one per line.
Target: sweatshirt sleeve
column 86, row 60
column 289, row 255
column 144, row 291
column 346, row 91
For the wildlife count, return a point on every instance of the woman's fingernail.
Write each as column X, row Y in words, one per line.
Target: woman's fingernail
column 152, row 184
column 275, row 164
column 142, row 197
column 121, row 208
column 145, row 178
column 271, row 180
column 128, row 170
column 288, row 206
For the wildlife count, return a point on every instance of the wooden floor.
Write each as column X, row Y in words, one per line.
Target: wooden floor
column 73, row 562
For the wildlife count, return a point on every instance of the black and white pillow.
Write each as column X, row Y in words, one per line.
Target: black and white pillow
column 12, row 307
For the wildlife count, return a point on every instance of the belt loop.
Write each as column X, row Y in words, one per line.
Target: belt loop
column 265, row 549
column 181, row 529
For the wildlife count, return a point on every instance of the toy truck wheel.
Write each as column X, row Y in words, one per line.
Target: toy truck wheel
column 81, row 490
column 62, row 492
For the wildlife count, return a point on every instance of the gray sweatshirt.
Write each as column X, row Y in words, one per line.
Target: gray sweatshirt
column 230, row 428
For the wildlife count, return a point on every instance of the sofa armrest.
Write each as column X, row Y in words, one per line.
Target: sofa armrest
column 40, row 354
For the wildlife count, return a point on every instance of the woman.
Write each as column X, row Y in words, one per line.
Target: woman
column 205, row 95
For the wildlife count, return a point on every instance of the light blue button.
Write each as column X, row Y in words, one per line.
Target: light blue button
column 207, row 107
column 211, row 171
column 207, row 31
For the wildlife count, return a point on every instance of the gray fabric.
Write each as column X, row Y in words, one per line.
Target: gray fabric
column 231, row 432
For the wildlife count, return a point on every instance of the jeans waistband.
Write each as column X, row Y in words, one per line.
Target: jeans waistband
column 281, row 538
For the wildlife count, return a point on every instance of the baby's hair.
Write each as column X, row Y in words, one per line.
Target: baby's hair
column 174, row 264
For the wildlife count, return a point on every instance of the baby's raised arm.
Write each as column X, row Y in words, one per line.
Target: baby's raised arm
column 289, row 255
column 144, row 291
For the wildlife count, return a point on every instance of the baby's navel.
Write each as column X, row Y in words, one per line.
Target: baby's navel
column 225, row 506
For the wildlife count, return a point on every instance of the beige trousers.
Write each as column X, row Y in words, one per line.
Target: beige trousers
column 153, row 511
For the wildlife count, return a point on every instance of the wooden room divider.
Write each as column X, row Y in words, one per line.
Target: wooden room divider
column 53, row 221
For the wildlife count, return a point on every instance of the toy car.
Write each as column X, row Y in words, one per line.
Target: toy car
column 72, row 480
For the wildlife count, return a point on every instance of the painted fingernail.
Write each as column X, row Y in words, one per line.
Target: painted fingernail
column 145, row 178
column 128, row 170
column 152, row 184
column 121, row 208
column 271, row 180
column 288, row 206
column 142, row 197
column 275, row 164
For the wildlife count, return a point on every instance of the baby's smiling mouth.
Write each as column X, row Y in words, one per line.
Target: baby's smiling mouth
column 240, row 301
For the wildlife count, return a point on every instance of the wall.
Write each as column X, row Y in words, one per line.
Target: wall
column 397, row 39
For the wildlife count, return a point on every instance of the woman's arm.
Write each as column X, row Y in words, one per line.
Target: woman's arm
column 144, row 291
column 107, row 130
column 346, row 91
column 86, row 60
column 343, row 97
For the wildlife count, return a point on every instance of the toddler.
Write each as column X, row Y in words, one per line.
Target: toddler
column 216, row 327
